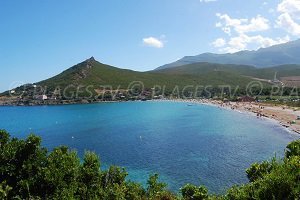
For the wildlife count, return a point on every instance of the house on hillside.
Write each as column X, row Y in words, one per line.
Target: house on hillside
column 40, row 97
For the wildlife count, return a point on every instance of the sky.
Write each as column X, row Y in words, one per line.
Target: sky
column 42, row 38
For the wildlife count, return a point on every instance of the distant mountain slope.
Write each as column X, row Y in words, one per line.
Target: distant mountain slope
column 204, row 67
column 282, row 54
column 245, row 70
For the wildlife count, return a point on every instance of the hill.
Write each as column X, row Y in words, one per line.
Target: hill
column 95, row 76
column 91, row 81
column 281, row 54
column 271, row 73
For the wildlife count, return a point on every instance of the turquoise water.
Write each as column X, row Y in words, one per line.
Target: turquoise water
column 185, row 144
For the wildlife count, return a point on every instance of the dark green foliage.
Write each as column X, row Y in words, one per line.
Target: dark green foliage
column 4, row 190
column 155, row 188
column 272, row 180
column 4, row 138
column 258, row 170
column 24, row 162
column 61, row 173
column 293, row 149
column 190, row 192
column 89, row 179
column 28, row 171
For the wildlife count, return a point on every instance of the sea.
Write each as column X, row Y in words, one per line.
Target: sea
column 183, row 143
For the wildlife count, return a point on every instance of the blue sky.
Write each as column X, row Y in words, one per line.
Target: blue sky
column 40, row 39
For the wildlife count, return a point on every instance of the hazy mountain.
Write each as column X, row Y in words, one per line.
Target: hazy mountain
column 282, row 54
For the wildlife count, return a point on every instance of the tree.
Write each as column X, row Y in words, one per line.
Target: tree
column 293, row 149
column 90, row 177
column 192, row 192
column 61, row 173
column 4, row 190
column 258, row 170
column 28, row 171
column 4, row 138
column 154, row 188
column 24, row 161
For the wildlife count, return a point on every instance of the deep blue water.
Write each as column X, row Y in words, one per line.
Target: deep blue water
column 185, row 144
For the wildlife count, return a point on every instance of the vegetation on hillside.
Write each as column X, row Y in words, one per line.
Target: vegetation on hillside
column 94, row 81
column 91, row 81
column 98, row 75
column 29, row 171
column 239, row 70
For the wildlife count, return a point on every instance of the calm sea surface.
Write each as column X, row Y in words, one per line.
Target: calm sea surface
column 185, row 144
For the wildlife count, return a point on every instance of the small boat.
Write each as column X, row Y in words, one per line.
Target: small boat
column 190, row 105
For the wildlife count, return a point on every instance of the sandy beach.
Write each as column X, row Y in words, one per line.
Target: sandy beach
column 285, row 116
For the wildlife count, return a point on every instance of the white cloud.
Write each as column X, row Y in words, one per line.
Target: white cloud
column 219, row 24
column 220, row 42
column 292, row 7
column 251, row 33
column 289, row 18
column 241, row 26
column 153, row 42
column 286, row 22
column 241, row 42
column 258, row 23
column 227, row 30
column 245, row 34
column 207, row 1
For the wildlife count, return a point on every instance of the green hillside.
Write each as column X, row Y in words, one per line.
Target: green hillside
column 204, row 67
column 245, row 70
column 95, row 74
column 93, row 79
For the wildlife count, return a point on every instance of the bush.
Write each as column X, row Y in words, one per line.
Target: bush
column 28, row 171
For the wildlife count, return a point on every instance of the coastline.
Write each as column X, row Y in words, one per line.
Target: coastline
column 280, row 115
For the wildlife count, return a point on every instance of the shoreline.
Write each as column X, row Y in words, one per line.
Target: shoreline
column 281, row 115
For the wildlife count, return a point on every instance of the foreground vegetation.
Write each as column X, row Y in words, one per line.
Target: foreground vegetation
column 29, row 171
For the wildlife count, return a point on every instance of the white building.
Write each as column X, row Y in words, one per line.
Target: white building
column 41, row 97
